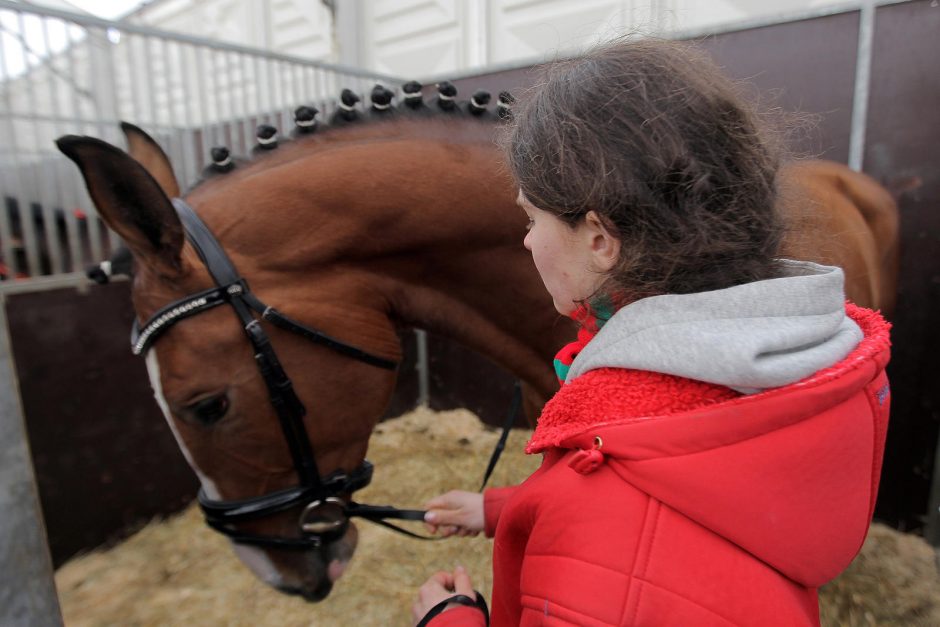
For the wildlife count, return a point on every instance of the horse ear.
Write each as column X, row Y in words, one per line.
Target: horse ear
column 148, row 153
column 130, row 201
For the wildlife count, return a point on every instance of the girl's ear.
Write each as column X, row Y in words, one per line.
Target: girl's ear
column 605, row 246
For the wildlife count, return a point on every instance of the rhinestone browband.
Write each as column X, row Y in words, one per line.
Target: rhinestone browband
column 143, row 337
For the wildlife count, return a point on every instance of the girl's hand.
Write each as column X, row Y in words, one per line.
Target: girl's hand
column 439, row 587
column 457, row 513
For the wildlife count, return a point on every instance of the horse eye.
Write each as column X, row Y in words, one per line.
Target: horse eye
column 209, row 410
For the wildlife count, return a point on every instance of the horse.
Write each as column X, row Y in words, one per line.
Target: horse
column 347, row 235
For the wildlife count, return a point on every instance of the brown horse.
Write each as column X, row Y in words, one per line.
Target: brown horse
column 356, row 232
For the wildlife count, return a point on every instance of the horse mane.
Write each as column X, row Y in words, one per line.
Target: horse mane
column 452, row 128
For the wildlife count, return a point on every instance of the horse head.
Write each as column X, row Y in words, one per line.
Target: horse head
column 229, row 422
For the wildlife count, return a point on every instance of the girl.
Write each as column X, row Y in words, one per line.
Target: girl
column 713, row 455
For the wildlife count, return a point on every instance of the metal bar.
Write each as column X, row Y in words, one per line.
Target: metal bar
column 423, row 368
column 81, row 233
column 287, row 83
column 207, row 79
column 50, row 224
column 221, row 100
column 225, row 100
column 62, row 119
column 55, row 251
column 76, row 255
column 41, row 191
column 248, row 133
column 27, row 587
column 168, row 97
column 12, row 184
column 187, row 176
column 7, row 255
column 132, row 80
column 307, row 92
column 76, row 280
column 112, row 240
column 296, row 84
column 226, row 96
column 932, row 532
column 71, row 52
column 96, row 22
column 320, row 88
column 292, row 97
column 97, row 89
column 6, row 232
column 286, row 79
column 274, row 95
column 259, row 98
column 866, row 33
column 27, row 225
column 149, row 83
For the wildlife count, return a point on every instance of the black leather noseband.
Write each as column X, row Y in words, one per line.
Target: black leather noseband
column 326, row 508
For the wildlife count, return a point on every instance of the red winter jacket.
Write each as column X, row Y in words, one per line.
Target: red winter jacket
column 731, row 513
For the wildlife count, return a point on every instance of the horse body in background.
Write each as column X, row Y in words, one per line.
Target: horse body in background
column 839, row 217
column 358, row 232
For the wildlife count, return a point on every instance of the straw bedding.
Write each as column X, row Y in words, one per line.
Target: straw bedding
column 178, row 572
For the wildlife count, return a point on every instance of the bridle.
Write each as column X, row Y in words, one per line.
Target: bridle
column 326, row 507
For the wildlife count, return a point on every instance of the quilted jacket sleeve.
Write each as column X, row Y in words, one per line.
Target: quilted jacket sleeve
column 493, row 501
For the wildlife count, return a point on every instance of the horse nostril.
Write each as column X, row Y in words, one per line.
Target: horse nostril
column 321, row 592
column 336, row 569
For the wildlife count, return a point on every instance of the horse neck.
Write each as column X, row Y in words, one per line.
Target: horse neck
column 427, row 230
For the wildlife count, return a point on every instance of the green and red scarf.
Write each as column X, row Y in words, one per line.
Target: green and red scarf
column 591, row 318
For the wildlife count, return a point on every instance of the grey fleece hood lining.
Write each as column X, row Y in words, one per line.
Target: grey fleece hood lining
column 748, row 337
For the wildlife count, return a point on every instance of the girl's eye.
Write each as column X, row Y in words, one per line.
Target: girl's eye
column 208, row 411
column 529, row 224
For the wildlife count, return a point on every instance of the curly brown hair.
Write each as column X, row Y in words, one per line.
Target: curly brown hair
column 655, row 139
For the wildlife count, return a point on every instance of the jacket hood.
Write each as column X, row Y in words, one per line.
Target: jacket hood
column 790, row 474
column 749, row 337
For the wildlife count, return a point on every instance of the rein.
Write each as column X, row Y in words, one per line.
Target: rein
column 325, row 516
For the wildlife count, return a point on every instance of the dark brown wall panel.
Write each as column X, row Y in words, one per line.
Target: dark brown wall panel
column 903, row 137
column 806, row 66
column 463, row 378
column 105, row 459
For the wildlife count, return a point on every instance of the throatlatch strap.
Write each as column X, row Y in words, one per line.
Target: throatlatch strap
column 280, row 320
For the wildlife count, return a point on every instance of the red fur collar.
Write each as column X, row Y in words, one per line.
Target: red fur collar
column 610, row 396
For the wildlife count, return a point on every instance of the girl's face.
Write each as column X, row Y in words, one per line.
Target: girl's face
column 572, row 262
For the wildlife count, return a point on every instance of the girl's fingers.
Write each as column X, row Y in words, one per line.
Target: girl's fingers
column 462, row 583
column 449, row 530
